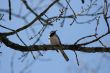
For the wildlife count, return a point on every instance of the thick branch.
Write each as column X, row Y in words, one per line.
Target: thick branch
column 15, row 46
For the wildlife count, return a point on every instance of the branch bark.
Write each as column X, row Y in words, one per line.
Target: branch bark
column 77, row 47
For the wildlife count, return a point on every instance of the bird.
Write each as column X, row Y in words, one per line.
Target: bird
column 54, row 40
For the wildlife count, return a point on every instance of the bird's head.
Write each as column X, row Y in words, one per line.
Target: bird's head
column 52, row 33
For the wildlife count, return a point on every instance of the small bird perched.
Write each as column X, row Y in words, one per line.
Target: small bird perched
column 54, row 40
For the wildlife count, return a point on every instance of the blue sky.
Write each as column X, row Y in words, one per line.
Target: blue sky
column 52, row 62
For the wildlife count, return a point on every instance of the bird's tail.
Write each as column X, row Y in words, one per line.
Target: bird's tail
column 64, row 55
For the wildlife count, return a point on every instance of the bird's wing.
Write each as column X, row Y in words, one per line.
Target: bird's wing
column 58, row 39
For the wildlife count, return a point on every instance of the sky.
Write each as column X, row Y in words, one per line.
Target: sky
column 52, row 62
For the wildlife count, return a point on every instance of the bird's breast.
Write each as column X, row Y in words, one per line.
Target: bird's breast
column 54, row 40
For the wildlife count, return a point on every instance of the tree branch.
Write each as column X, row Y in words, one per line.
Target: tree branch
column 33, row 21
column 77, row 47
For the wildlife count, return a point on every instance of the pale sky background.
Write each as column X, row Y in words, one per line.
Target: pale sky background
column 52, row 62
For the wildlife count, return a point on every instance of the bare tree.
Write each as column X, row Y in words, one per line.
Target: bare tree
column 38, row 14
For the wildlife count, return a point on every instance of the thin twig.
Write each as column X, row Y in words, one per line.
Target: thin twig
column 92, row 41
column 84, row 38
column 9, row 2
column 25, row 44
